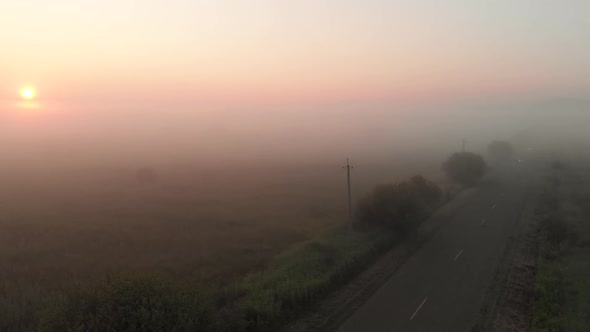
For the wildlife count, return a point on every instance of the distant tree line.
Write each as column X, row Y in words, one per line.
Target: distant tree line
column 402, row 206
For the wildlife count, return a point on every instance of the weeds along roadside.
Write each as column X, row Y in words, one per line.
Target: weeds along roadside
column 557, row 237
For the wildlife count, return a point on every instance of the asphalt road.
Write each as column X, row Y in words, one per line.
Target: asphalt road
column 443, row 285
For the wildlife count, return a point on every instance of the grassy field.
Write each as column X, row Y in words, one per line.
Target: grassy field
column 63, row 229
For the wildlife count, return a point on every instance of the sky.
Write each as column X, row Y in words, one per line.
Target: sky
column 260, row 73
column 283, row 51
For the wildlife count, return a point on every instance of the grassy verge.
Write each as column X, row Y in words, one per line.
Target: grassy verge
column 298, row 277
column 562, row 288
column 576, row 310
column 576, row 274
column 548, row 291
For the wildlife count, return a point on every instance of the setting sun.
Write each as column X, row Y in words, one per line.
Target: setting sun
column 28, row 93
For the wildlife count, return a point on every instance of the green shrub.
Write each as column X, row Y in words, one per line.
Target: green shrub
column 465, row 168
column 429, row 192
column 399, row 207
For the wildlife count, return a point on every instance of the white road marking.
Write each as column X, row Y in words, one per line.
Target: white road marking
column 494, row 206
column 459, row 254
column 421, row 304
column 483, row 221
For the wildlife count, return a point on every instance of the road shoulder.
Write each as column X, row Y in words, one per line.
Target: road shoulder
column 508, row 300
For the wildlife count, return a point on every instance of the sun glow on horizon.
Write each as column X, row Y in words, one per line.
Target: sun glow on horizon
column 28, row 93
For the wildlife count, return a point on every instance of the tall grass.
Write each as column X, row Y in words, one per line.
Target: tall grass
column 129, row 302
column 548, row 290
column 262, row 301
column 549, row 283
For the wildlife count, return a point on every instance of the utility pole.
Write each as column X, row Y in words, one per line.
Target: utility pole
column 348, row 167
column 463, row 145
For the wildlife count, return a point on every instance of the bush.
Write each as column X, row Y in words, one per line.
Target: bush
column 429, row 192
column 399, row 206
column 465, row 168
column 127, row 302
